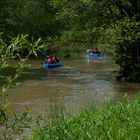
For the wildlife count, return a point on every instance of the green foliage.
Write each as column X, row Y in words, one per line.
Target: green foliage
column 14, row 49
column 122, row 38
column 115, row 121
column 16, row 124
column 125, row 36
column 34, row 17
column 127, row 52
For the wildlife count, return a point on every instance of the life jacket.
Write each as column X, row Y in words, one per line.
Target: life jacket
column 50, row 60
column 93, row 51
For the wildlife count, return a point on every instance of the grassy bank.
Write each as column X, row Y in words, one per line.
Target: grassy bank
column 115, row 121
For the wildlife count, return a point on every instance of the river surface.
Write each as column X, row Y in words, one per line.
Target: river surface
column 78, row 85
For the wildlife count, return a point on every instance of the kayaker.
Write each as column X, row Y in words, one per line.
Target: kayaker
column 97, row 51
column 94, row 51
column 55, row 59
column 50, row 60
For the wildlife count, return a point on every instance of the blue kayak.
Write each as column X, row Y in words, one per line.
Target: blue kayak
column 47, row 65
column 94, row 55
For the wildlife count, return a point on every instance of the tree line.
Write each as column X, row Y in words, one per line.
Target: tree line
column 112, row 25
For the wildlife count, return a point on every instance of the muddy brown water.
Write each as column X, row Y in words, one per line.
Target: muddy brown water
column 78, row 85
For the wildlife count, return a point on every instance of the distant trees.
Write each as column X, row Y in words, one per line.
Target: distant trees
column 128, row 46
column 34, row 17
column 113, row 22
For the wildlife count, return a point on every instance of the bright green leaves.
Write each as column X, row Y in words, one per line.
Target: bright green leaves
column 17, row 49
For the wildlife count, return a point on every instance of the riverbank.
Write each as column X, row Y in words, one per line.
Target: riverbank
column 114, row 121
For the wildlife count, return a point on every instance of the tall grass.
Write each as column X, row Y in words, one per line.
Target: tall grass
column 115, row 121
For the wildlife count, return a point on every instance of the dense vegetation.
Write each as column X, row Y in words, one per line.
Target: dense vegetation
column 9, row 74
column 113, row 26
column 115, row 121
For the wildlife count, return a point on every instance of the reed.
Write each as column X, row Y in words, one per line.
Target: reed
column 115, row 121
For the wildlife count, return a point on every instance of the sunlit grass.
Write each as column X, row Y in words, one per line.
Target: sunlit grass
column 115, row 121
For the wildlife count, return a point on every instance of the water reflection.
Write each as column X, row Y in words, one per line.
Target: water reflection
column 76, row 86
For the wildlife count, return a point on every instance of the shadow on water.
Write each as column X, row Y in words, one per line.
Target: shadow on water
column 79, row 84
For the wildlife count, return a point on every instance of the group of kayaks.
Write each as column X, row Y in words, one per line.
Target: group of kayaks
column 48, row 65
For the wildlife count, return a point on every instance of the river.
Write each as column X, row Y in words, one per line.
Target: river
column 78, row 85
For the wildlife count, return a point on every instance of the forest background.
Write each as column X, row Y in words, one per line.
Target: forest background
column 111, row 25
